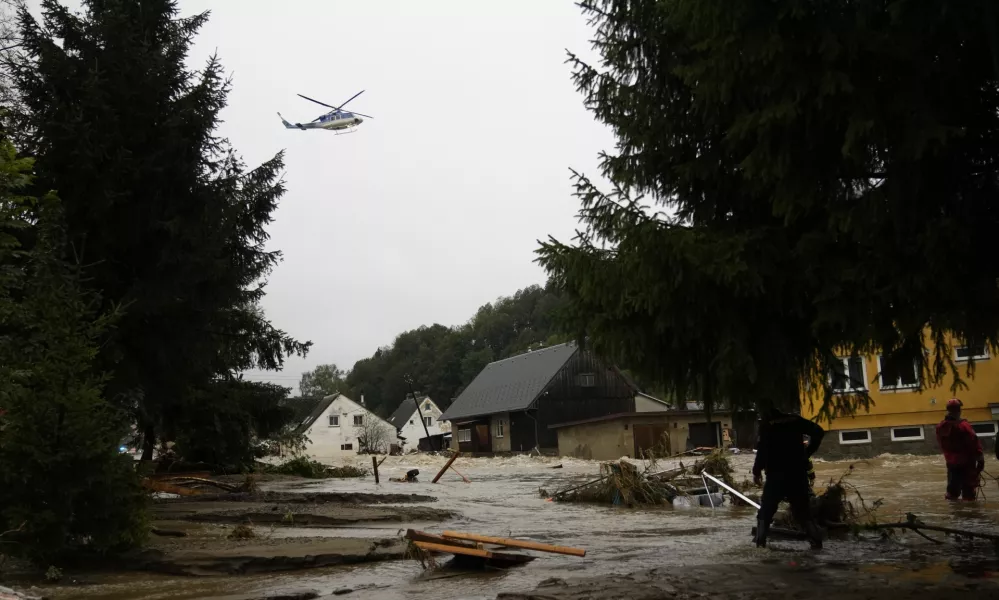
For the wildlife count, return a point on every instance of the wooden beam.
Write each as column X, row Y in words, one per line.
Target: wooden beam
column 374, row 467
column 492, row 557
column 474, row 537
column 422, row 536
column 446, row 467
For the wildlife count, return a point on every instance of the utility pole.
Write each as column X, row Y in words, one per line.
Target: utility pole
column 430, row 441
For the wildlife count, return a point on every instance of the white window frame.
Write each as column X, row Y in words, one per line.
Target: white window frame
column 851, row 442
column 920, row 437
column 995, row 428
column 846, row 365
column 499, row 428
column 428, row 421
column 464, row 435
column 586, row 380
column 358, row 420
column 984, row 356
column 334, row 420
column 898, row 382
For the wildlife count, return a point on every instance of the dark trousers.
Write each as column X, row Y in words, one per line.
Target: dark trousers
column 792, row 487
column 962, row 482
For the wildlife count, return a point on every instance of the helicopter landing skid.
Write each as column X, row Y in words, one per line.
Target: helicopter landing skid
column 345, row 131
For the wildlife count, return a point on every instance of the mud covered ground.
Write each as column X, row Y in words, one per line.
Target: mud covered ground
column 653, row 552
column 790, row 579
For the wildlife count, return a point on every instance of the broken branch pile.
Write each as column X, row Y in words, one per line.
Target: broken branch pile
column 623, row 483
column 312, row 469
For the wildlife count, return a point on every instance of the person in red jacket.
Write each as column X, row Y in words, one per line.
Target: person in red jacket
column 962, row 452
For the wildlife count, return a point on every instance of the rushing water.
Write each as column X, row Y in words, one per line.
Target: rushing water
column 503, row 500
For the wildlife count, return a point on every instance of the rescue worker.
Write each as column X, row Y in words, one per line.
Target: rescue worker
column 962, row 451
column 785, row 458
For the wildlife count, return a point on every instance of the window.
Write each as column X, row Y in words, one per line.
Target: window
column 986, row 429
column 358, row 420
column 855, row 436
column 905, row 434
column 499, row 428
column 464, row 435
column 978, row 352
column 428, row 421
column 849, row 375
column 346, row 446
column 898, row 374
column 586, row 379
column 410, row 421
column 426, row 406
column 334, row 420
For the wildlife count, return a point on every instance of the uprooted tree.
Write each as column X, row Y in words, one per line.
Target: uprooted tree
column 166, row 219
column 791, row 181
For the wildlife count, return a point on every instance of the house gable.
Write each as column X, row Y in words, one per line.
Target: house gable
column 511, row 384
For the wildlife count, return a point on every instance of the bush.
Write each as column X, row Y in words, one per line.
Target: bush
column 306, row 467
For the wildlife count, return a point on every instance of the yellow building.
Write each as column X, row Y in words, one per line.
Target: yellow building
column 902, row 418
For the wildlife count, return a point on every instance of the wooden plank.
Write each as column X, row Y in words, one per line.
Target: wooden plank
column 449, row 549
column 423, row 536
column 446, row 467
column 474, row 537
column 488, row 555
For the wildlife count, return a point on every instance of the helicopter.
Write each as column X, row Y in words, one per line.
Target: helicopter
column 336, row 120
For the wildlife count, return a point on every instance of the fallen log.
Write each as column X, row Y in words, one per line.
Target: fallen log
column 169, row 488
column 182, row 479
column 948, row 530
column 527, row 545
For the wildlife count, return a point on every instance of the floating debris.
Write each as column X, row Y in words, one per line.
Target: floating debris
column 470, row 551
column 623, row 483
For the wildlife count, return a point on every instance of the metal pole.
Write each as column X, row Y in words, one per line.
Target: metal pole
column 729, row 488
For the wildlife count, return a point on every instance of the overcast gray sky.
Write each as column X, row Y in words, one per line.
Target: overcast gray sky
column 435, row 206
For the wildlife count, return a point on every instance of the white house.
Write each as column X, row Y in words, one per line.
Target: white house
column 338, row 427
column 409, row 421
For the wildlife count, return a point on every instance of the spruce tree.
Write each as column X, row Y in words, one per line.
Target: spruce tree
column 164, row 215
column 791, row 181
column 63, row 484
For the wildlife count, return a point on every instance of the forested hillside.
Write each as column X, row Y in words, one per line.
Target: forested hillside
column 442, row 360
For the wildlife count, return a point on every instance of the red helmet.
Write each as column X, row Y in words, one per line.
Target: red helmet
column 954, row 403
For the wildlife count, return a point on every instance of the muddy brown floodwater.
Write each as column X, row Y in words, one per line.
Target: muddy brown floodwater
column 502, row 499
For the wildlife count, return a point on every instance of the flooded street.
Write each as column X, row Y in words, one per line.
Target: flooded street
column 503, row 500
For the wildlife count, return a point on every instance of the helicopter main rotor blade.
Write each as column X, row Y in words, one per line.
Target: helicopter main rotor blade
column 351, row 98
column 318, row 102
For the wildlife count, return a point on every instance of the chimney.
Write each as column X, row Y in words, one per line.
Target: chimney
column 362, row 399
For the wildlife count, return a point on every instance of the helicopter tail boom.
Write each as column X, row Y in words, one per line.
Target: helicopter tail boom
column 288, row 125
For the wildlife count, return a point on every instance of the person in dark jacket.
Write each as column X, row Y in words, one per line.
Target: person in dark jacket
column 785, row 458
column 962, row 452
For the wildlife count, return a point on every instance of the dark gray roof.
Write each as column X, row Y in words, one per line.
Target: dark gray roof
column 510, row 384
column 405, row 410
column 316, row 412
